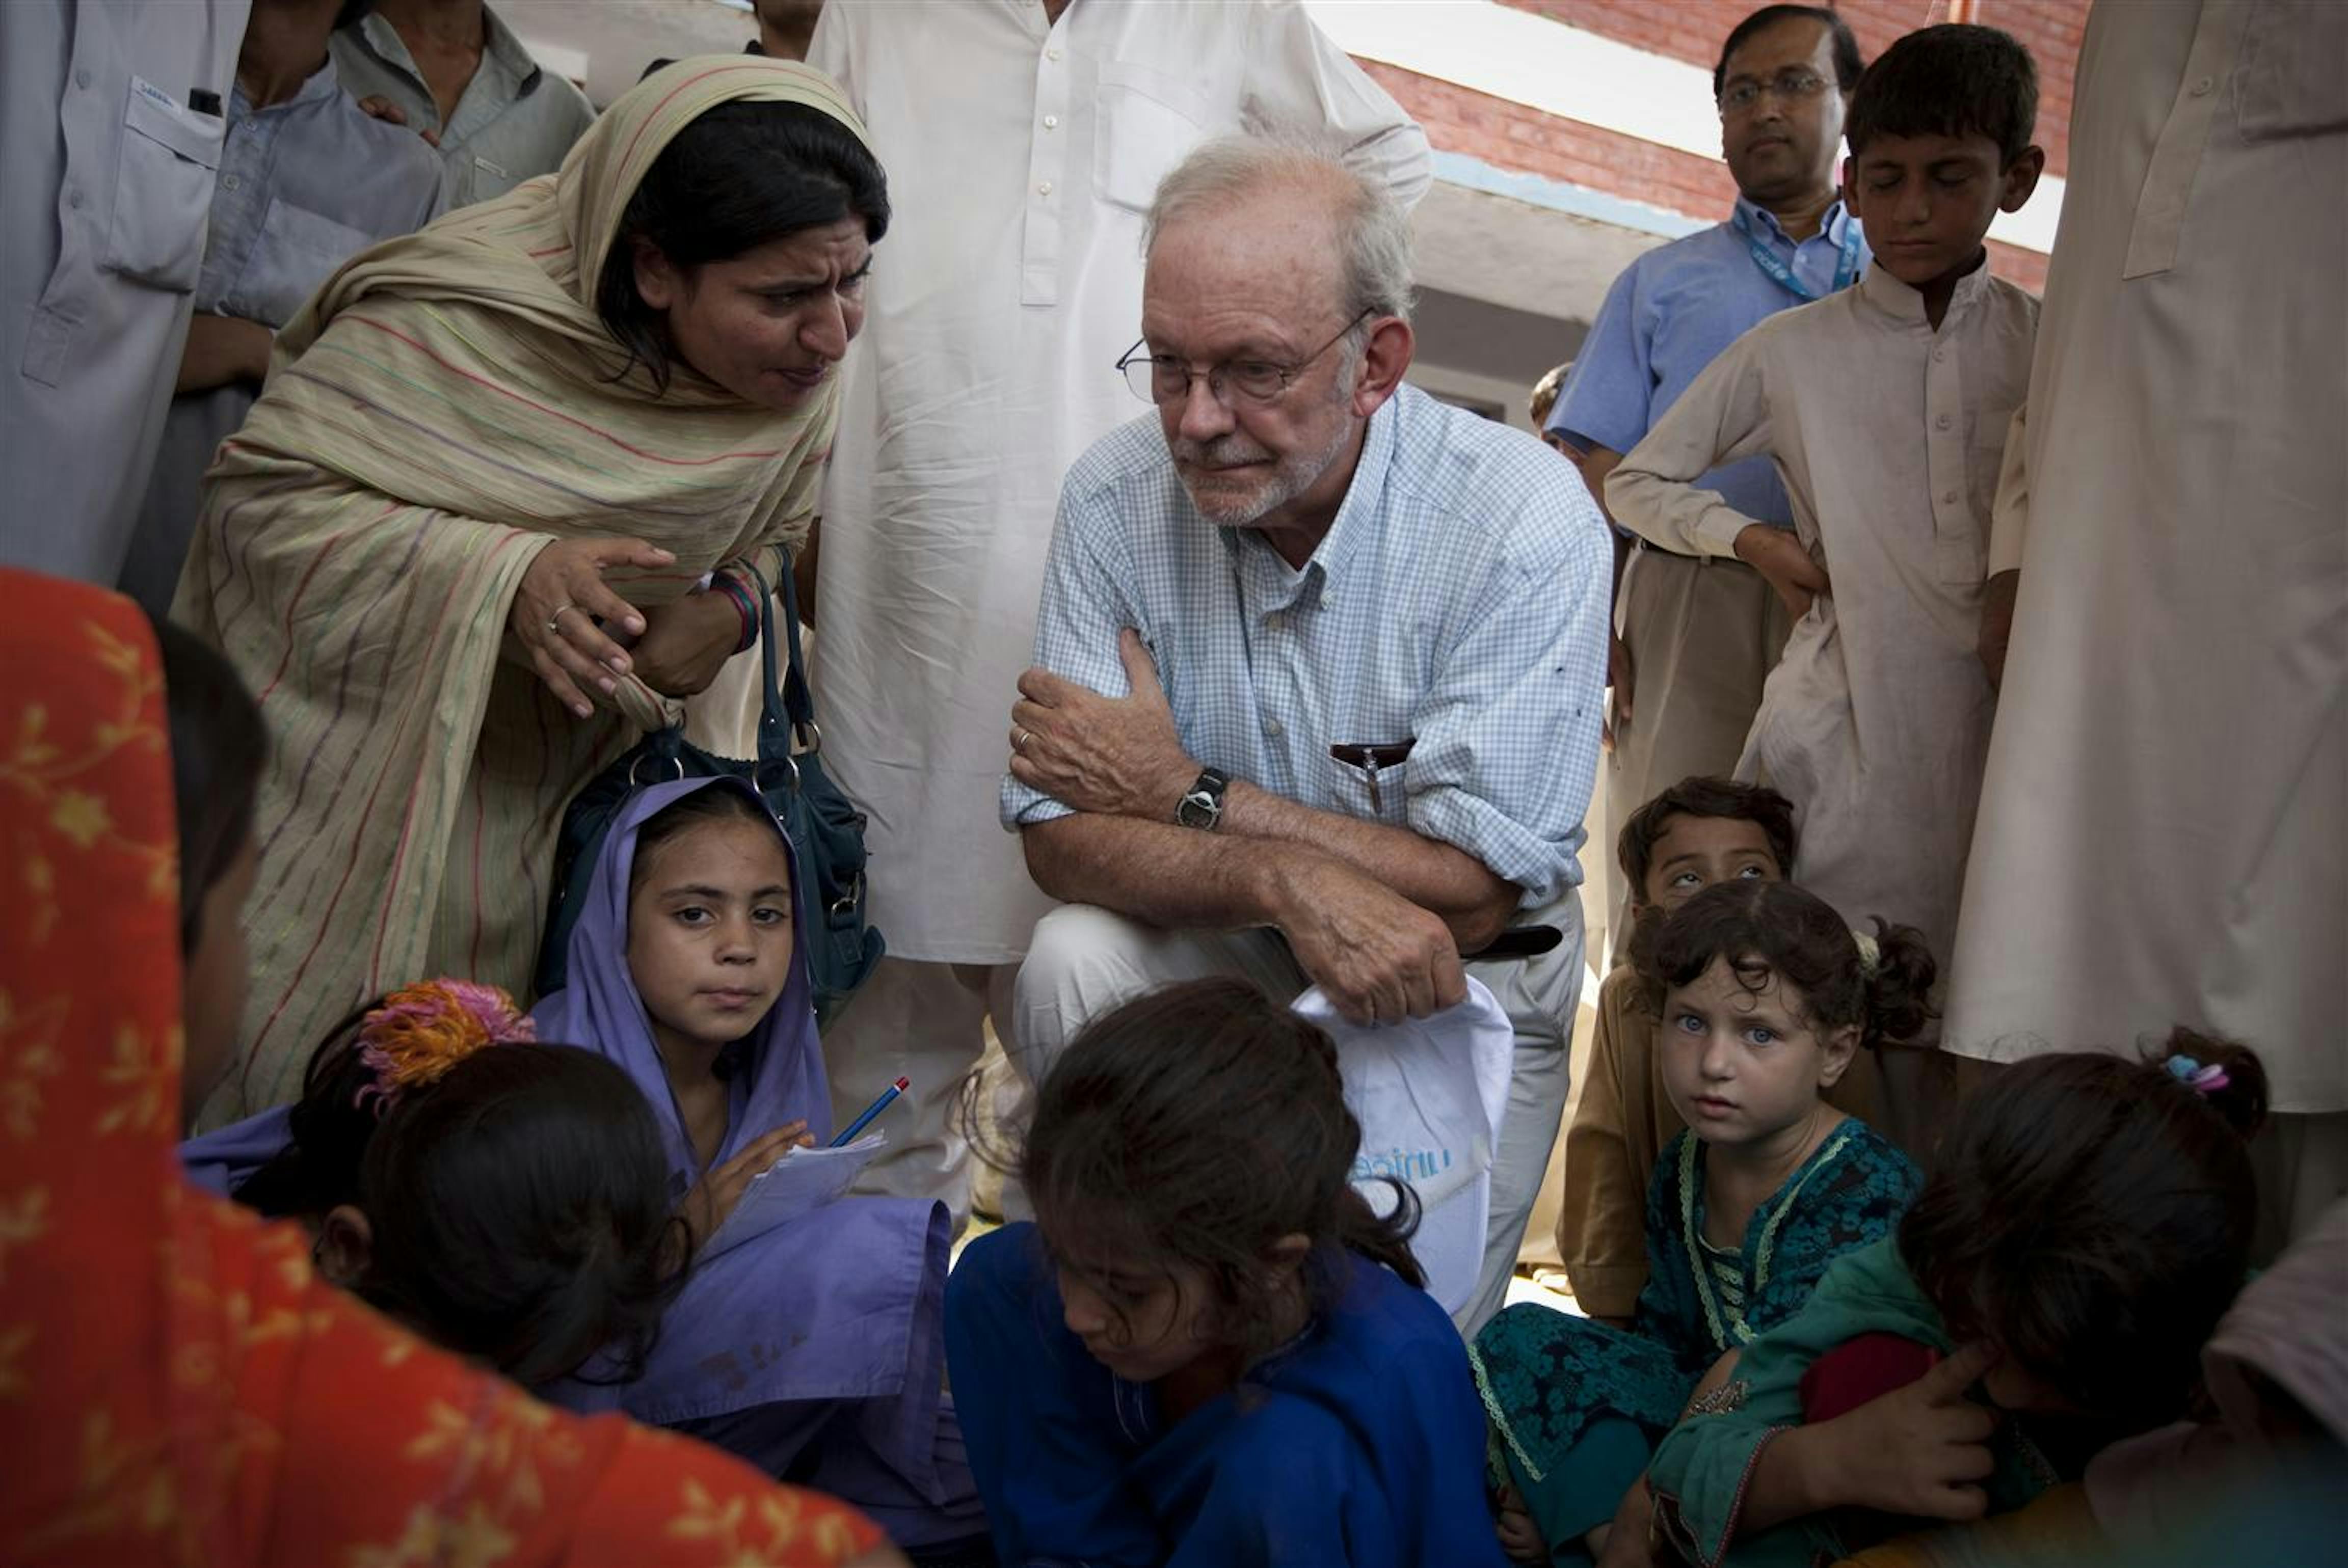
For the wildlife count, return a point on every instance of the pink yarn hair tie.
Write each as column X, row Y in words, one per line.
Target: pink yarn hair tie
column 422, row 1030
column 2202, row 1078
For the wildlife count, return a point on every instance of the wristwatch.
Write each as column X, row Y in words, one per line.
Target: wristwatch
column 1202, row 806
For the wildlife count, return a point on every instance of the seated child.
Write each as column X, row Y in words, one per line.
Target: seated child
column 1207, row 1352
column 2087, row 1220
column 1696, row 833
column 813, row 1349
column 1885, row 407
column 1765, row 997
column 509, row 1204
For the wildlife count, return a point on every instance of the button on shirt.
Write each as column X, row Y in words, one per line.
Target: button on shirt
column 514, row 121
column 1457, row 606
column 1669, row 315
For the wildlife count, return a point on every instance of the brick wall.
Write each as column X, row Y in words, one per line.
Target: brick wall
column 1509, row 136
column 1691, row 30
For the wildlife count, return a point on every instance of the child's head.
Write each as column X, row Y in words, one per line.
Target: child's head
column 2091, row 1216
column 710, row 939
column 1191, row 1163
column 510, row 1204
column 1940, row 144
column 1702, row 831
column 1765, row 995
column 218, row 747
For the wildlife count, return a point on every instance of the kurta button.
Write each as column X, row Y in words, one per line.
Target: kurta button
column 2201, row 88
column 1941, row 421
column 1950, row 496
column 1045, row 188
column 1051, row 54
column 231, row 182
column 73, row 200
column 1051, row 122
column 81, row 77
column 1271, row 728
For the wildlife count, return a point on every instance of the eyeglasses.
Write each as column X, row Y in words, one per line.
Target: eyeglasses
column 1791, row 85
column 1163, row 378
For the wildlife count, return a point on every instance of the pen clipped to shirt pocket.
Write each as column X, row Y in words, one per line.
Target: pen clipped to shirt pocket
column 1370, row 773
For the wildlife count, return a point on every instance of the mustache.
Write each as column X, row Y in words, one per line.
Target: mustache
column 1222, row 452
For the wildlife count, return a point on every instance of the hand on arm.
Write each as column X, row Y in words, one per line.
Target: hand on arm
column 1121, row 756
column 222, row 350
column 1920, row 1452
column 552, row 626
column 1380, row 957
column 687, row 642
column 1784, row 564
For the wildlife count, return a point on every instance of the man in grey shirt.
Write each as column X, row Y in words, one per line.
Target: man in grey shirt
column 452, row 71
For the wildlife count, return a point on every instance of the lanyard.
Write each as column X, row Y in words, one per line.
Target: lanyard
column 1773, row 267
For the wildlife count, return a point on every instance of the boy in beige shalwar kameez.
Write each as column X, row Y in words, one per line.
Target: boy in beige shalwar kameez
column 1885, row 409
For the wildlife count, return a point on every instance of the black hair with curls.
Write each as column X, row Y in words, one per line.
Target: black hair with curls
column 1768, row 931
column 1847, row 61
column 217, row 749
column 1196, row 1125
column 742, row 175
column 1956, row 79
column 1699, row 795
column 518, row 1205
column 2091, row 1214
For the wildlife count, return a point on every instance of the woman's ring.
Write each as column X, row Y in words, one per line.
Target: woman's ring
column 554, row 621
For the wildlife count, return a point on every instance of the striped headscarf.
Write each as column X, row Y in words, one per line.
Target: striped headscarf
column 447, row 405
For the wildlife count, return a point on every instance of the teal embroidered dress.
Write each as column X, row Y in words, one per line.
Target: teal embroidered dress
column 1576, row 1406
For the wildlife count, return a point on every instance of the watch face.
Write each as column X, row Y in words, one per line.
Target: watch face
column 1200, row 808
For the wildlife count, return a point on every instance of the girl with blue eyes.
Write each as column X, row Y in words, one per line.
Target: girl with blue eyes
column 1766, row 998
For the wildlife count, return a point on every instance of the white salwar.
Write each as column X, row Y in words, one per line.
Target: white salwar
column 2164, row 833
column 1021, row 155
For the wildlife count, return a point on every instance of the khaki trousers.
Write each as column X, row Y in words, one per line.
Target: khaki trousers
column 1704, row 634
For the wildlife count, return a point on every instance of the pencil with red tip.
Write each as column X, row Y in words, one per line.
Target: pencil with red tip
column 878, row 1106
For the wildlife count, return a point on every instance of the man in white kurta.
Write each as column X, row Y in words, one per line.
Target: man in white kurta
column 2164, row 832
column 1023, row 142
column 113, row 124
column 1888, row 434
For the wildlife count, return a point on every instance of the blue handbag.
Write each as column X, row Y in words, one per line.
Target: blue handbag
column 825, row 830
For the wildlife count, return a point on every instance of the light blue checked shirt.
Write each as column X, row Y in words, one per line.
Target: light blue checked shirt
column 1458, row 603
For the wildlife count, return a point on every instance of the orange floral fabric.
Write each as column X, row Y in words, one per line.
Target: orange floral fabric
column 176, row 1385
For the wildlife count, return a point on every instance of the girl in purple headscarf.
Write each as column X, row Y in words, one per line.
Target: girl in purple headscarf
column 814, row 1348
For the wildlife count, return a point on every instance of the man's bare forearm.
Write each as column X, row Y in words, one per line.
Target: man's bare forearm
column 1159, row 872
column 1435, row 876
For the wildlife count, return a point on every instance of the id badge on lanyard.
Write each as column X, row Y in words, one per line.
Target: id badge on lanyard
column 1775, row 267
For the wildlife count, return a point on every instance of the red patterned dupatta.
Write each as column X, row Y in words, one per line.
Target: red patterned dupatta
column 176, row 1385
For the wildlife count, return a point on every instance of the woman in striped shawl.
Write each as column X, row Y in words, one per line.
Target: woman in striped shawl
column 494, row 517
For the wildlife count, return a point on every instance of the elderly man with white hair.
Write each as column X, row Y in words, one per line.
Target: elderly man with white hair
column 1319, row 661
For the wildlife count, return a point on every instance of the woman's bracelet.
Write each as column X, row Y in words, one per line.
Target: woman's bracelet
column 737, row 593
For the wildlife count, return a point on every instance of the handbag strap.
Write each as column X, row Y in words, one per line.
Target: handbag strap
column 798, row 699
column 775, row 716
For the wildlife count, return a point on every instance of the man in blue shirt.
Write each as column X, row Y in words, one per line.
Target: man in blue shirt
column 1320, row 660
column 1696, row 638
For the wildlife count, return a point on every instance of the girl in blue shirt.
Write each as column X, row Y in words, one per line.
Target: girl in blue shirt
column 1207, row 1352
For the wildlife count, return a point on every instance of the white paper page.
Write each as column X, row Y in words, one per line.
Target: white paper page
column 802, row 1180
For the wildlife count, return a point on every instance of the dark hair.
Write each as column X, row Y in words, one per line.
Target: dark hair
column 718, row 802
column 1198, row 1125
column 1848, row 63
column 518, row 1205
column 740, row 176
column 1700, row 795
column 2092, row 1216
column 1956, row 79
column 1765, row 929
column 218, row 747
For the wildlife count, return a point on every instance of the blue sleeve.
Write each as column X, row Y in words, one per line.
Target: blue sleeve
column 1282, row 1492
column 1506, row 738
column 1037, row 1415
column 1607, row 399
column 1083, row 608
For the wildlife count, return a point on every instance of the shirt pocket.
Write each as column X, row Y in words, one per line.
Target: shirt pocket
column 2289, row 80
column 163, row 191
column 1145, row 123
column 298, row 250
column 1365, row 779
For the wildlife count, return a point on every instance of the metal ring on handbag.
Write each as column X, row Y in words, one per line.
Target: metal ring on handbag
column 758, row 774
column 846, row 903
column 808, row 737
column 635, row 782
